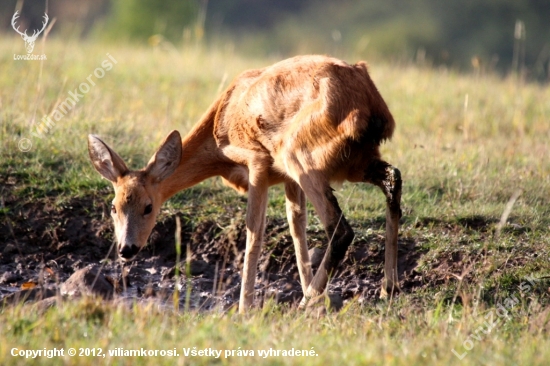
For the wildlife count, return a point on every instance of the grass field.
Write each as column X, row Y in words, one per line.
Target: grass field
column 465, row 144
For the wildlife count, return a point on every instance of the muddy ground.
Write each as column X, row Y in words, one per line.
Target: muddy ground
column 43, row 245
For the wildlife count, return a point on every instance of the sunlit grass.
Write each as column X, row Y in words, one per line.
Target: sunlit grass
column 417, row 332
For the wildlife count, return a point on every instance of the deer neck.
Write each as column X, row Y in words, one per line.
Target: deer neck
column 200, row 160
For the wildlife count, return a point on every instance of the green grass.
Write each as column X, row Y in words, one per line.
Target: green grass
column 409, row 332
column 460, row 162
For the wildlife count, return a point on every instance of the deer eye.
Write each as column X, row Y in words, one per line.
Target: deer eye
column 113, row 209
column 148, row 209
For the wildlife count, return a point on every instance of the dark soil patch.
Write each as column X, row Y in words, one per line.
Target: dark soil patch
column 477, row 223
column 43, row 244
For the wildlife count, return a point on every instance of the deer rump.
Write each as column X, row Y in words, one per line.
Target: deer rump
column 328, row 112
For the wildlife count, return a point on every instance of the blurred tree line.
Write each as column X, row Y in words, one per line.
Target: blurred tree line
column 464, row 34
column 481, row 34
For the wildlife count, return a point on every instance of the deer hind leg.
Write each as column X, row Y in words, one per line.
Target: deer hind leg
column 388, row 178
column 297, row 219
column 339, row 232
column 255, row 227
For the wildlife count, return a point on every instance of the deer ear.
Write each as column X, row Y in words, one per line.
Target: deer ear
column 107, row 162
column 167, row 158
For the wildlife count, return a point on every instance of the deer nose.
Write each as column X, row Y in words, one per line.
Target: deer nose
column 128, row 252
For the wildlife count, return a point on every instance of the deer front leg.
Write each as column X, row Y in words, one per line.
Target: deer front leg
column 297, row 219
column 255, row 227
column 388, row 178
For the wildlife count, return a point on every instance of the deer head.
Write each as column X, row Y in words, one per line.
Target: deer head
column 137, row 199
column 29, row 40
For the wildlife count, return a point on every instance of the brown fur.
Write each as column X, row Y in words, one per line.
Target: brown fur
column 308, row 121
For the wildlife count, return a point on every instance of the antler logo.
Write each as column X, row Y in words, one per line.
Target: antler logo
column 29, row 40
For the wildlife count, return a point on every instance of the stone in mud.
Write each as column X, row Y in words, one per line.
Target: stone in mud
column 316, row 256
column 196, row 267
column 88, row 281
column 10, row 277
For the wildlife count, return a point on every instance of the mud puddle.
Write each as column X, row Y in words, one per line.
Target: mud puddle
column 67, row 251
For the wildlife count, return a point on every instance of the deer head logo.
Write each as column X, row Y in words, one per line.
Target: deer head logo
column 29, row 40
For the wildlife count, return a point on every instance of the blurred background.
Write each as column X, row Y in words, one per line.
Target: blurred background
column 500, row 36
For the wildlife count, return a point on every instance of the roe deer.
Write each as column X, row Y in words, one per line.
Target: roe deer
column 306, row 122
